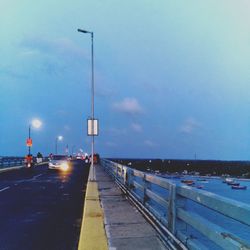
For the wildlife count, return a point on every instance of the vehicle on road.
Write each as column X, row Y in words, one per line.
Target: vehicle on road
column 29, row 162
column 96, row 158
column 59, row 162
column 83, row 157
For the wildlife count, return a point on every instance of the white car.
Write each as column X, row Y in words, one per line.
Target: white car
column 83, row 157
column 59, row 162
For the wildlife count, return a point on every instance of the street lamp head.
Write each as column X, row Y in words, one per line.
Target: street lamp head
column 60, row 137
column 36, row 123
column 83, row 31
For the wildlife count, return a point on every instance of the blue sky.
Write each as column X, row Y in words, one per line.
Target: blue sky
column 172, row 78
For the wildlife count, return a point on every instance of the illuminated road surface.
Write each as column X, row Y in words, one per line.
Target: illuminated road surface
column 41, row 209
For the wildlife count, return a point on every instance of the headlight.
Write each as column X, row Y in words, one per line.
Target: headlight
column 64, row 166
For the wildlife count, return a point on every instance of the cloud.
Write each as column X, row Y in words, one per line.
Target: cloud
column 150, row 143
column 103, row 92
column 189, row 125
column 53, row 56
column 136, row 127
column 11, row 72
column 62, row 112
column 110, row 144
column 67, row 127
column 129, row 106
column 116, row 131
column 63, row 47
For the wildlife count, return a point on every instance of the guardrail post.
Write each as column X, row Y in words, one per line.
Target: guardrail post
column 175, row 201
column 116, row 171
column 119, row 171
column 124, row 176
column 180, row 202
column 128, row 178
column 172, row 208
column 110, row 169
column 146, row 185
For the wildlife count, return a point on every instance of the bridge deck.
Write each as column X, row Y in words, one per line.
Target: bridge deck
column 125, row 227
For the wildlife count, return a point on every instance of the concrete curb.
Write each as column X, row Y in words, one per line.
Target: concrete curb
column 92, row 234
column 2, row 170
column 41, row 163
column 10, row 168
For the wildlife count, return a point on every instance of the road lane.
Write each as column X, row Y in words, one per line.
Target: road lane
column 3, row 189
column 42, row 209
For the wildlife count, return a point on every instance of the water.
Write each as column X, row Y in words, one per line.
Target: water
column 214, row 185
column 211, row 184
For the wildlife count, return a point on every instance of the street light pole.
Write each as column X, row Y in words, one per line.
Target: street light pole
column 29, row 138
column 92, row 175
column 60, row 138
column 56, row 145
column 36, row 124
column 72, row 149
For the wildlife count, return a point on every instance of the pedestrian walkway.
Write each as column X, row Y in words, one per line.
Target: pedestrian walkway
column 125, row 227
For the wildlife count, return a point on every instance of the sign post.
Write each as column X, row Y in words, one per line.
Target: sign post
column 29, row 142
column 93, row 130
column 93, row 127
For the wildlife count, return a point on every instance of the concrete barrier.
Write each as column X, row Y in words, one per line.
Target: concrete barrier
column 10, row 168
column 92, row 234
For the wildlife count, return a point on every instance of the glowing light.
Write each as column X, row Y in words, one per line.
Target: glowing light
column 36, row 123
column 60, row 137
column 64, row 166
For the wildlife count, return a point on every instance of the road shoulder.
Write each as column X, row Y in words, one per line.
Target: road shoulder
column 92, row 234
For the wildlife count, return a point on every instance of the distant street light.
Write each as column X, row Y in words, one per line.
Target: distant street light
column 67, row 149
column 58, row 138
column 72, row 149
column 35, row 123
column 92, row 175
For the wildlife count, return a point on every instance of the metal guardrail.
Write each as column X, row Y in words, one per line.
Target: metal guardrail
column 181, row 213
column 12, row 161
column 6, row 162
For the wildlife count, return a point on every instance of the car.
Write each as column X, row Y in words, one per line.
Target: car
column 83, row 157
column 59, row 162
column 79, row 157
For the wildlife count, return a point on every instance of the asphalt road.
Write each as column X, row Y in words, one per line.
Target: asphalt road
column 42, row 209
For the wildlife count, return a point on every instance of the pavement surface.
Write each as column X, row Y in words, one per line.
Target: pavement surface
column 42, row 209
column 126, row 228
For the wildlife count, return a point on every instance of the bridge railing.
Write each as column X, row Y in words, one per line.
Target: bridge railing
column 6, row 162
column 199, row 219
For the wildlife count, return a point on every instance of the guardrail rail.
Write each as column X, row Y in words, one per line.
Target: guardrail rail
column 186, row 218
column 6, row 162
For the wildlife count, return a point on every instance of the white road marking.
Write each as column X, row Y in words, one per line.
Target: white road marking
column 31, row 179
column 37, row 176
column 1, row 190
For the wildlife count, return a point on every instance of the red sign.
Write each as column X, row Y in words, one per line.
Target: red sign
column 29, row 142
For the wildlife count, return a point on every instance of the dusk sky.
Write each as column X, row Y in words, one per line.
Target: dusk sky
column 172, row 78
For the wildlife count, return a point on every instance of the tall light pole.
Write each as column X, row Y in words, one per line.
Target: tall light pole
column 92, row 175
column 72, row 149
column 58, row 138
column 30, row 143
column 35, row 123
